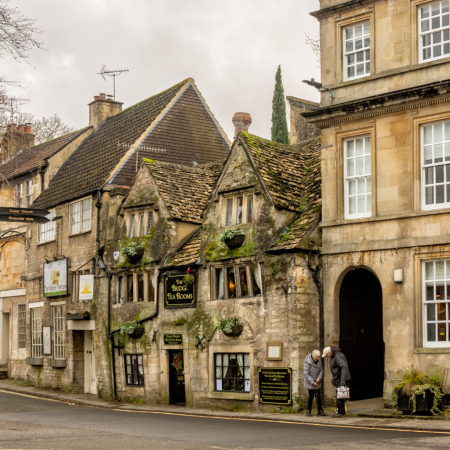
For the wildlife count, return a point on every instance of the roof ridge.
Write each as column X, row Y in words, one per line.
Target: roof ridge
column 193, row 169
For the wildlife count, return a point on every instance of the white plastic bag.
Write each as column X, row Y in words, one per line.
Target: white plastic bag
column 342, row 392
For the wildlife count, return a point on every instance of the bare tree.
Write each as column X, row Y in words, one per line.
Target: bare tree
column 49, row 128
column 314, row 43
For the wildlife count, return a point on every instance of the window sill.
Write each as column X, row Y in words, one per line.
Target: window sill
column 46, row 242
column 231, row 395
column 81, row 232
column 432, row 350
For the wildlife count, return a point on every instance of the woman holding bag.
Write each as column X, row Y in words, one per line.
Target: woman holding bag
column 312, row 375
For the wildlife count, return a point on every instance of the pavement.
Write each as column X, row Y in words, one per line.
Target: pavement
column 364, row 414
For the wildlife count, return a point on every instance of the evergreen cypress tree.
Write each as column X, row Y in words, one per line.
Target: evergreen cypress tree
column 279, row 123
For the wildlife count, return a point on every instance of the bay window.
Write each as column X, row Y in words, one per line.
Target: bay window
column 436, row 303
column 358, row 180
column 434, row 41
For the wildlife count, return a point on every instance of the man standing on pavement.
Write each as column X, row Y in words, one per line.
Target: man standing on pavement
column 341, row 374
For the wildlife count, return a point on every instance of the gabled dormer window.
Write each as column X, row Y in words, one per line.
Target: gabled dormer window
column 238, row 210
column 139, row 223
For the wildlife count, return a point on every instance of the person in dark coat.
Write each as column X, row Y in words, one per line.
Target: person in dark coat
column 341, row 374
column 312, row 376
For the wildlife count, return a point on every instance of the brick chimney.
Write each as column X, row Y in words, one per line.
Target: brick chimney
column 241, row 122
column 16, row 138
column 101, row 108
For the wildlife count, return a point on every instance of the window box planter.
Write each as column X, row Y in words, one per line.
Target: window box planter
column 236, row 331
column 137, row 333
column 424, row 404
column 235, row 242
column 35, row 361
column 137, row 257
column 56, row 363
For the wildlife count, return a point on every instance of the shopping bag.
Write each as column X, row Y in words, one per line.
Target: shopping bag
column 343, row 392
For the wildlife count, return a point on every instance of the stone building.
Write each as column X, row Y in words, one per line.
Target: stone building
column 24, row 174
column 386, row 146
column 67, row 341
column 300, row 129
column 272, row 193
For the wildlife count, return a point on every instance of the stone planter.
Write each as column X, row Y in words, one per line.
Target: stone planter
column 235, row 332
column 137, row 333
column 137, row 257
column 235, row 242
column 424, row 403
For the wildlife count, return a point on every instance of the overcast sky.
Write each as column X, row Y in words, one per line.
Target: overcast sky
column 231, row 48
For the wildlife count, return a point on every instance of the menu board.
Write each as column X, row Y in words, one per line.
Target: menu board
column 178, row 294
column 275, row 385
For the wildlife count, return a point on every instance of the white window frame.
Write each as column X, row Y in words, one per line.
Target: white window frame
column 47, row 231
column 234, row 215
column 363, row 49
column 348, row 178
column 21, row 326
column 36, row 333
column 444, row 32
column 80, row 221
column 19, row 196
column 29, row 192
column 59, row 331
column 423, row 168
column 445, row 263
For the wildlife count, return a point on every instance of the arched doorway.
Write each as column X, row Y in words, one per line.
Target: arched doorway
column 361, row 332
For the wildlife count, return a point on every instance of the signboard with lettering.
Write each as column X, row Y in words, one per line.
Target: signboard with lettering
column 55, row 278
column 177, row 294
column 86, row 287
column 275, row 385
column 173, row 339
column 25, row 215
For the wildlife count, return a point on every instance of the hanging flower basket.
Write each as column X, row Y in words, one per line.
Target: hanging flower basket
column 137, row 333
column 134, row 252
column 233, row 238
column 231, row 326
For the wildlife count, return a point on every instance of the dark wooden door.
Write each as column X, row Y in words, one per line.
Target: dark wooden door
column 361, row 332
column 177, row 391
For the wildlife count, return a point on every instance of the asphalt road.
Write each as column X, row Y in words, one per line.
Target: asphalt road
column 33, row 423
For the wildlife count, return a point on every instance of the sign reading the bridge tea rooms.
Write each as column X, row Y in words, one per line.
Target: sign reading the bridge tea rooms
column 275, row 385
column 177, row 294
column 55, row 278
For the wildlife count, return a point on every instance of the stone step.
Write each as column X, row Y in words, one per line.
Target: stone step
column 3, row 372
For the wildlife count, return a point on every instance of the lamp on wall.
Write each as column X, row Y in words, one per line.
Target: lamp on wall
column 319, row 86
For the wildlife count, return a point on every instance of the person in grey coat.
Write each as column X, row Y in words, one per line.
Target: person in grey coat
column 313, row 375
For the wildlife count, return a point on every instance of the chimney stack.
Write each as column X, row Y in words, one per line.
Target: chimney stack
column 241, row 122
column 101, row 109
column 16, row 138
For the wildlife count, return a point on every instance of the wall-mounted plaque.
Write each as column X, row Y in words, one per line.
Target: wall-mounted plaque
column 177, row 294
column 47, row 340
column 275, row 385
column 173, row 339
column 55, row 278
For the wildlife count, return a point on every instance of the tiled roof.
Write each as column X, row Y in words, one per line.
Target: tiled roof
column 188, row 253
column 185, row 190
column 31, row 159
column 287, row 170
column 92, row 163
column 310, row 200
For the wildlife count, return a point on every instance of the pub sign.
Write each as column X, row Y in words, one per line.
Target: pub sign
column 275, row 385
column 55, row 278
column 173, row 339
column 177, row 294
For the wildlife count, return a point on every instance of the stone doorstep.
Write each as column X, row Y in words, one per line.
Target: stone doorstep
column 386, row 422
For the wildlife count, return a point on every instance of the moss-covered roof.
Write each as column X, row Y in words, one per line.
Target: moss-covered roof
column 185, row 190
column 91, row 164
column 31, row 159
column 189, row 252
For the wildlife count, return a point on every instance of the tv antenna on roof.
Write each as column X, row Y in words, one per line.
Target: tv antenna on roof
column 111, row 73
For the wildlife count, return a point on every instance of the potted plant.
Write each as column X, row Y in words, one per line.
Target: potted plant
column 233, row 238
column 133, row 329
column 230, row 326
column 188, row 279
column 133, row 251
column 417, row 393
